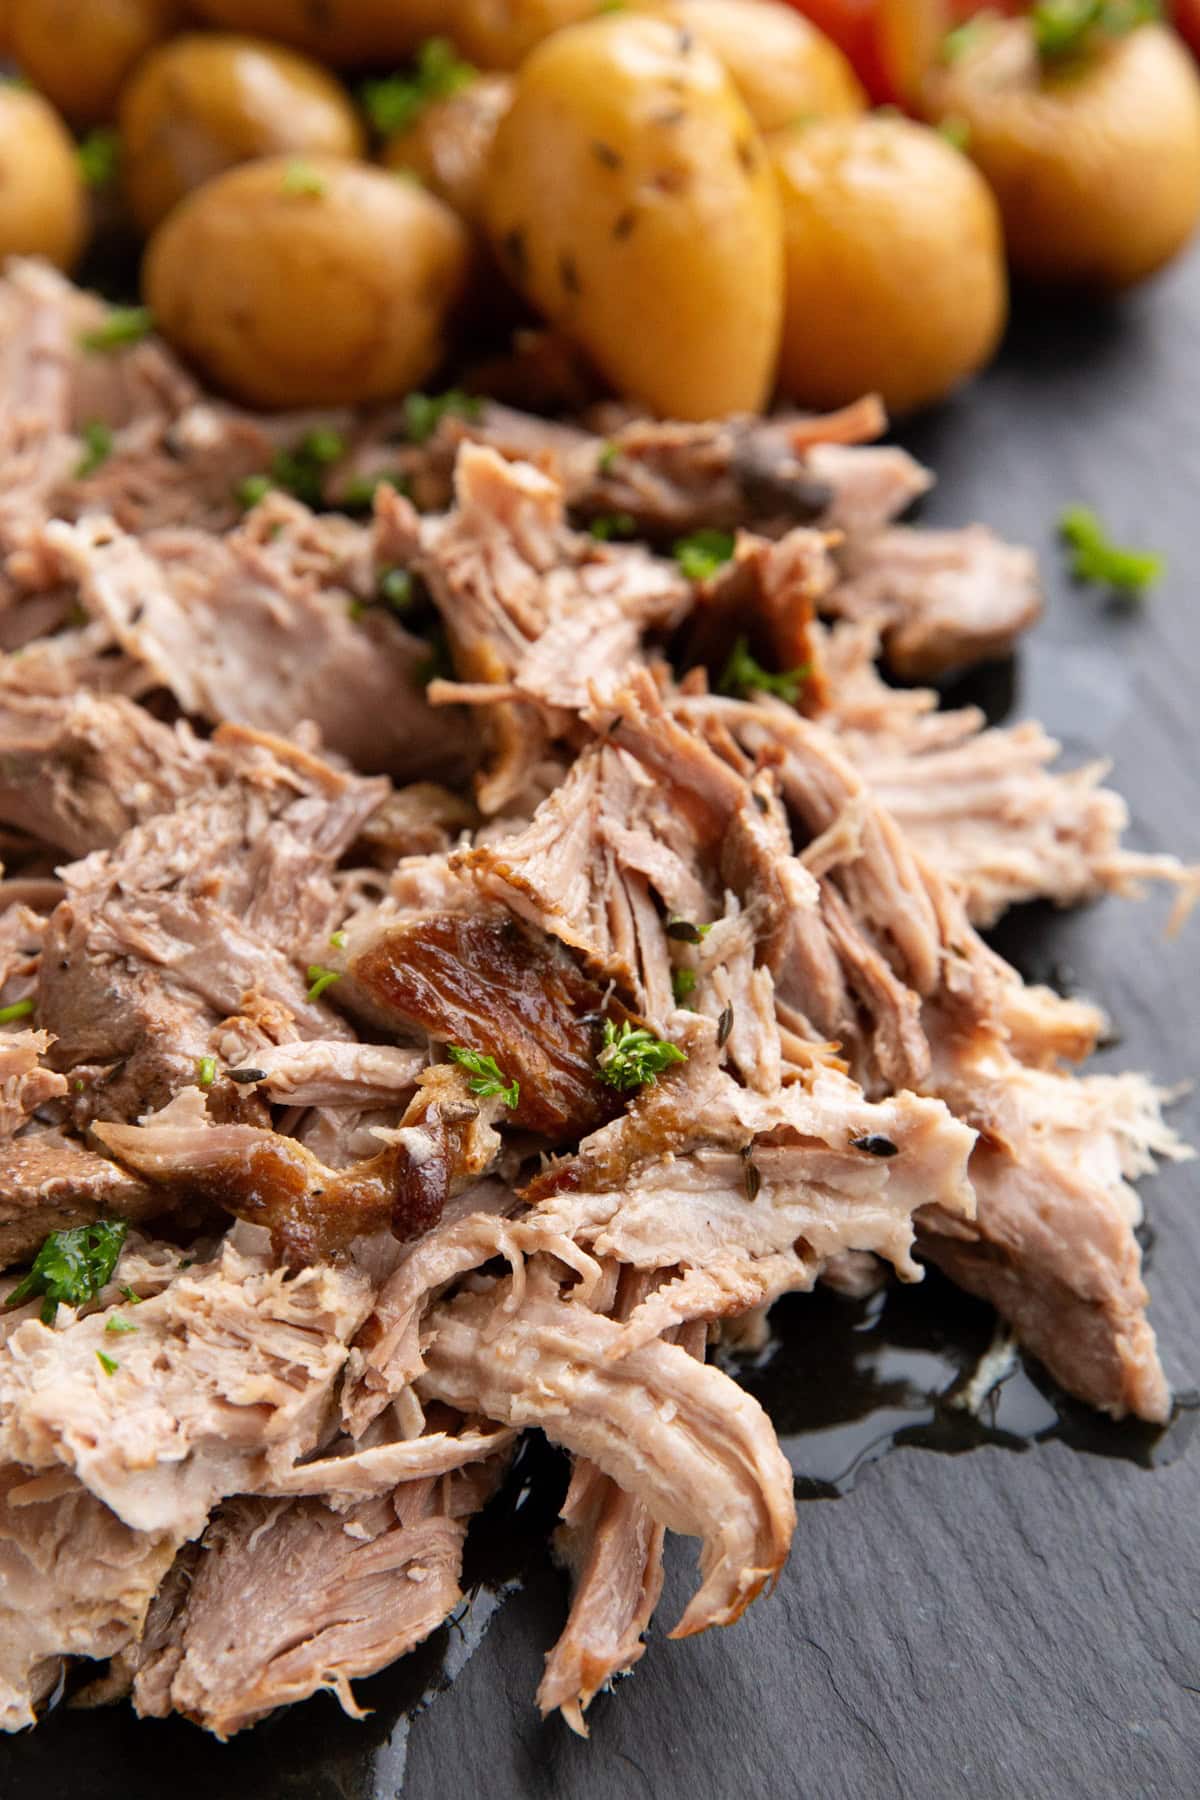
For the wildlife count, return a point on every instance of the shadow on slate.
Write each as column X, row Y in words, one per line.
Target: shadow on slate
column 1017, row 1620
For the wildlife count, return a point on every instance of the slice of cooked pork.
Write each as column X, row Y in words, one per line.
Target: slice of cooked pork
column 49, row 1183
column 681, row 1436
column 289, row 1597
column 227, row 1381
column 25, row 1084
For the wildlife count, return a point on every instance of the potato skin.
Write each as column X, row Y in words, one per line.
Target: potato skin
column 205, row 101
column 783, row 67
column 285, row 296
column 345, row 33
column 450, row 145
column 499, row 34
column 43, row 208
column 629, row 197
column 894, row 264
column 78, row 52
column 1096, row 167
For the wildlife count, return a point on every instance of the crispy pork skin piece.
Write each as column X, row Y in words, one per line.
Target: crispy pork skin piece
column 482, row 980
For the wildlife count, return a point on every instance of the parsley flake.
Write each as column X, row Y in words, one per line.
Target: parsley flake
column 1096, row 558
column 423, row 413
column 302, row 470
column 607, row 457
column 703, row 553
column 98, row 156
column 487, row 1077
column 319, row 980
column 206, row 1071
column 337, row 940
column 17, row 1009
column 613, row 525
column 396, row 588
column 966, row 37
column 251, row 490
column 124, row 325
column 397, row 101
column 358, row 494
column 128, row 1294
column 743, row 674
column 117, row 1326
column 98, row 443
column 301, row 178
column 72, row 1266
column 1066, row 28
column 633, row 1057
column 683, row 983
column 109, row 1364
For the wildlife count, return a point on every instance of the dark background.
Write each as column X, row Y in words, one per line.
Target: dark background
column 1015, row 1621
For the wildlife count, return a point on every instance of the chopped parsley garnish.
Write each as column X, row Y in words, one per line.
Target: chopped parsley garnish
column 956, row 130
column 396, row 588
column 703, row 553
column 487, row 1077
column 301, row 178
column 337, row 940
column 966, row 37
column 98, row 156
column 633, row 1057
column 613, row 525
column 124, row 325
column 319, row 980
column 206, row 1071
column 251, row 490
column 72, row 1266
column 607, row 457
column 743, row 674
column 395, row 102
column 128, row 1295
column 109, row 1364
column 17, row 1009
column 302, row 470
column 423, row 413
column 683, row 983
column 1096, row 558
column 117, row 1326
column 98, row 443
column 358, row 495
column 1065, row 28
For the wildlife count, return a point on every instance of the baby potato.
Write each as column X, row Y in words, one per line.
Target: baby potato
column 894, row 263
column 78, row 52
column 43, row 208
column 206, row 101
column 313, row 283
column 499, row 34
column 1096, row 163
column 346, row 33
column 449, row 145
column 630, row 198
column 782, row 66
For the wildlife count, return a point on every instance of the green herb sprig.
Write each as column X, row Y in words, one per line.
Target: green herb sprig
column 633, row 1057
column 72, row 1266
column 423, row 413
column 17, row 1009
column 743, row 674
column 1096, row 558
column 487, row 1077
column 703, row 553
column 125, row 325
column 395, row 102
column 98, row 443
column 320, row 978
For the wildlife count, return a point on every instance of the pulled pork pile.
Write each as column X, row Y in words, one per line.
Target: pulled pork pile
column 393, row 1063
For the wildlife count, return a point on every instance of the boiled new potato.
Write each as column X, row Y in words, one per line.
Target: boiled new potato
column 307, row 282
column 343, row 32
column 206, row 101
column 499, row 34
column 449, row 145
column 894, row 263
column 782, row 66
column 78, row 52
column 629, row 197
column 43, row 209
column 1095, row 161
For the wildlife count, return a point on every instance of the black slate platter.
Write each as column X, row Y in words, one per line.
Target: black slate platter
column 1018, row 1619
